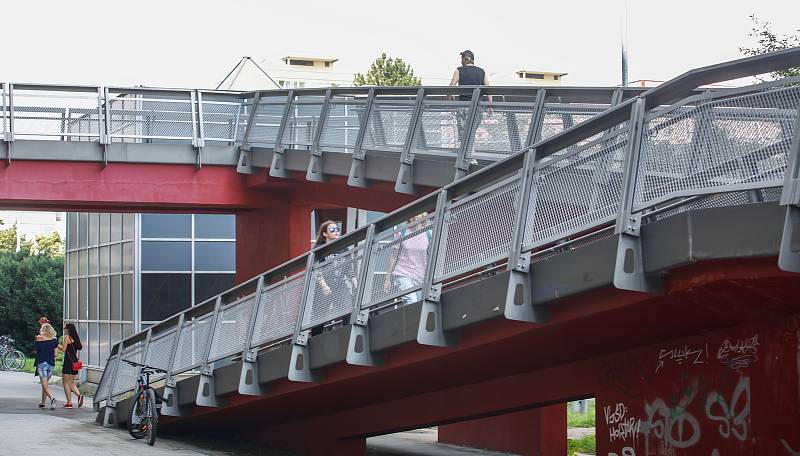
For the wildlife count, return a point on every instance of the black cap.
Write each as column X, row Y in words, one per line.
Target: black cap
column 468, row 55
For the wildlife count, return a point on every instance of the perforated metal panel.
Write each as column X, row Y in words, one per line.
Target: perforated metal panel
column 388, row 126
column 478, row 229
column 231, row 330
column 339, row 272
column 220, row 119
column 126, row 374
column 277, row 312
column 136, row 116
column 105, row 382
column 442, row 126
column 577, row 190
column 500, row 133
column 304, row 115
column 192, row 344
column 341, row 125
column 267, row 121
column 561, row 116
column 53, row 115
column 732, row 142
column 384, row 254
column 160, row 350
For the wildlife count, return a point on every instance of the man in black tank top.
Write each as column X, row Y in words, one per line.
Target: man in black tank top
column 469, row 74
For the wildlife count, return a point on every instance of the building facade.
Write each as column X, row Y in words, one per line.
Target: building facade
column 123, row 271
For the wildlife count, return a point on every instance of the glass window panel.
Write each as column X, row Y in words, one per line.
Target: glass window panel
column 215, row 226
column 93, row 261
column 83, row 333
column 127, row 330
column 164, row 295
column 72, row 230
column 166, row 256
column 83, row 267
column 73, row 264
column 127, row 257
column 127, row 297
column 104, row 268
column 115, row 298
column 116, row 227
column 83, row 224
column 72, row 294
column 83, row 298
column 209, row 285
column 128, row 224
column 94, row 344
column 166, row 225
column 105, row 221
column 92, row 298
column 104, row 344
column 94, row 223
column 103, row 301
column 215, row 256
column 116, row 257
column 115, row 333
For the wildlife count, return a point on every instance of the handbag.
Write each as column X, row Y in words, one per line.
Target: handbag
column 77, row 364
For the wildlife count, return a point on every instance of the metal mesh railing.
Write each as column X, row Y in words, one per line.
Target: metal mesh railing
column 388, row 125
column 341, row 125
column 109, row 374
column 304, row 115
column 220, row 120
column 442, row 126
column 333, row 289
column 397, row 261
column 501, row 130
column 742, row 140
column 230, row 333
column 478, row 229
column 278, row 309
column 159, row 351
column 125, row 379
column 577, row 190
column 150, row 117
column 60, row 116
column 192, row 344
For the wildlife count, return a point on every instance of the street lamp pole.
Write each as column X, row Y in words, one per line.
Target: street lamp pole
column 623, row 33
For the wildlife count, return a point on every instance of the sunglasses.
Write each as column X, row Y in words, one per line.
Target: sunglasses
column 333, row 229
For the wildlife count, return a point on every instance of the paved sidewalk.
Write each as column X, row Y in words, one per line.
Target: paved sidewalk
column 27, row 429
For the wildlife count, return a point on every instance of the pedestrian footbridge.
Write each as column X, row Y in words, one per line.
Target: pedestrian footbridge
column 597, row 222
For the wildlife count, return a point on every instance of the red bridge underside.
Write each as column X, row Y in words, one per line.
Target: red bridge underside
column 661, row 364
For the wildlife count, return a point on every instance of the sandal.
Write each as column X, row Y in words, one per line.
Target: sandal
column 41, row 405
column 80, row 401
column 53, row 404
column 67, row 405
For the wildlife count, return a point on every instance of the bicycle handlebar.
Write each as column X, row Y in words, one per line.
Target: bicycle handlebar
column 144, row 366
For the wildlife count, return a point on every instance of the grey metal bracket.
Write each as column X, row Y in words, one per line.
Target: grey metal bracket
column 431, row 324
column 314, row 172
column 629, row 265
column 169, row 404
column 358, row 347
column 278, row 166
column 101, row 126
column 245, row 164
column 249, row 384
column 519, row 304
column 110, row 418
column 300, row 368
column 206, row 394
column 199, row 141
column 462, row 164
column 405, row 176
column 356, row 177
column 537, row 117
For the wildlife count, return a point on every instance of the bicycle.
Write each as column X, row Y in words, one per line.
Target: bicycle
column 143, row 421
column 10, row 358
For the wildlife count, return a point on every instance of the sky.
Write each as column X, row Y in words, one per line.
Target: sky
column 193, row 44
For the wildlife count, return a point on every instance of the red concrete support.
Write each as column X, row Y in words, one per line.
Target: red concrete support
column 535, row 432
column 268, row 237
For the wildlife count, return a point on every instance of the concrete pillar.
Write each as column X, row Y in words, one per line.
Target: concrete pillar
column 268, row 237
column 541, row 431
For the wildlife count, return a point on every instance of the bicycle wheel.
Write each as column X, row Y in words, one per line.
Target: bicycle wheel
column 150, row 397
column 137, row 424
column 14, row 360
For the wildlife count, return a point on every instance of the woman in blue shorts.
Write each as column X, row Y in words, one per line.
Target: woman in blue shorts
column 46, row 344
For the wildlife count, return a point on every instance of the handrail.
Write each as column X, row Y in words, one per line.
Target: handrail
column 561, row 170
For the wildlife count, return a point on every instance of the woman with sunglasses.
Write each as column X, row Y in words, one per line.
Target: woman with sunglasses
column 341, row 277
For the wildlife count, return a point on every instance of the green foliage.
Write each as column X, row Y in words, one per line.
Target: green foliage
column 28, row 367
column 769, row 41
column 581, row 420
column 31, row 285
column 8, row 239
column 583, row 445
column 388, row 72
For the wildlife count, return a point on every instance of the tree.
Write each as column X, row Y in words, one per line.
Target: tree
column 388, row 72
column 769, row 41
column 8, row 239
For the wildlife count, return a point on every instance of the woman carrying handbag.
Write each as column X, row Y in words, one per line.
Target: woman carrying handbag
column 71, row 364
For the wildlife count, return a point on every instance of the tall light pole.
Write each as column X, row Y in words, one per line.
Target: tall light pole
column 623, row 37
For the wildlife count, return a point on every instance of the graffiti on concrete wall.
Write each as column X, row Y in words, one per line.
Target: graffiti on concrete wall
column 739, row 354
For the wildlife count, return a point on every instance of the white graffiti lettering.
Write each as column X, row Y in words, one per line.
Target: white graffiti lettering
column 682, row 355
column 620, row 427
column 733, row 418
column 740, row 354
column 789, row 449
column 675, row 427
column 626, row 451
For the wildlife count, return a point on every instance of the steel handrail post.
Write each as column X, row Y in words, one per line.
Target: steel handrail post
column 537, row 118
column 278, row 166
column 405, row 176
column 245, row 164
column 356, row 177
column 110, row 414
column 314, row 172
column 300, row 367
column 249, row 384
column 170, row 406
column 462, row 165
column 358, row 347
column 789, row 256
column 9, row 136
column 206, row 393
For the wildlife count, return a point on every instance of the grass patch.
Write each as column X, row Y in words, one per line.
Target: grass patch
column 28, row 367
column 584, row 445
column 581, row 420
